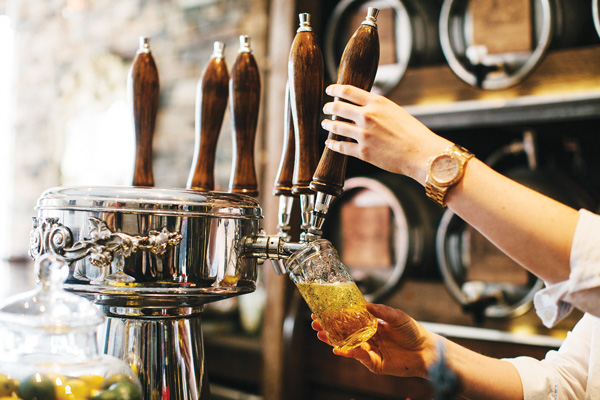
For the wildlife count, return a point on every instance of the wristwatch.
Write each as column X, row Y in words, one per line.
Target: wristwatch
column 444, row 171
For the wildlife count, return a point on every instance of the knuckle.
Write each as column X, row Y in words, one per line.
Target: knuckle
column 368, row 115
column 344, row 91
column 363, row 152
column 379, row 100
column 334, row 108
column 365, row 138
column 329, row 125
column 360, row 119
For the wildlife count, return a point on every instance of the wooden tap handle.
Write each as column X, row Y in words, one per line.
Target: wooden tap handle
column 143, row 86
column 358, row 67
column 211, row 102
column 244, row 87
column 283, row 181
column 305, row 74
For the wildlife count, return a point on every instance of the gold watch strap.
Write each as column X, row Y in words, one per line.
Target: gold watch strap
column 438, row 193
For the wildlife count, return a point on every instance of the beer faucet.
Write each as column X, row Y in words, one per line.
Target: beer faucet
column 211, row 103
column 244, row 97
column 143, row 86
column 305, row 77
column 283, row 181
column 303, row 102
column 358, row 67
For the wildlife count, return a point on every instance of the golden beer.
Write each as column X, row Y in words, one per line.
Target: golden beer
column 340, row 309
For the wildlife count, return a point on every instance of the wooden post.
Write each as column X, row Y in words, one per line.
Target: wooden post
column 282, row 22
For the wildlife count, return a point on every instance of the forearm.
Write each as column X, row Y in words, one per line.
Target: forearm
column 482, row 377
column 533, row 229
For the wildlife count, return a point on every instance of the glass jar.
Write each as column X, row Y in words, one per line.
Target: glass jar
column 49, row 346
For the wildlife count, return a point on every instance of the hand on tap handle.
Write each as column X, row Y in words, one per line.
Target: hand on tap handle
column 358, row 67
column 244, row 87
column 143, row 87
column 211, row 102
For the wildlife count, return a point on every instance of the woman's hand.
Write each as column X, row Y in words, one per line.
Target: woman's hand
column 400, row 347
column 385, row 134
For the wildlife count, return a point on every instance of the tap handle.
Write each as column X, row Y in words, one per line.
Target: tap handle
column 143, row 87
column 244, row 87
column 305, row 74
column 211, row 102
column 283, row 182
column 358, row 67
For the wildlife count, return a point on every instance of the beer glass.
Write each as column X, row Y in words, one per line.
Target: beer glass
column 331, row 294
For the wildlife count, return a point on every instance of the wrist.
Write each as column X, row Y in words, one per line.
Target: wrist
column 431, row 353
column 435, row 147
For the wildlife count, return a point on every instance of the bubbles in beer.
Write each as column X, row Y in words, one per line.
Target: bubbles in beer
column 340, row 309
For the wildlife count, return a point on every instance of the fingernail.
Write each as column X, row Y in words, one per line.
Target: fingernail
column 328, row 90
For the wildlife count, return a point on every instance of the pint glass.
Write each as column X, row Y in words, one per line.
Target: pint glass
column 331, row 294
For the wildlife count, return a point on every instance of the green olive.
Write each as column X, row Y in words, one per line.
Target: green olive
column 106, row 395
column 37, row 387
column 116, row 378
column 126, row 391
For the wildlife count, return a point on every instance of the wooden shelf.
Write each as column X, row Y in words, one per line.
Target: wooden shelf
column 522, row 110
column 564, row 87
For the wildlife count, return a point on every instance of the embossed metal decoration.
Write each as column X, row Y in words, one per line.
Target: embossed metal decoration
column 103, row 245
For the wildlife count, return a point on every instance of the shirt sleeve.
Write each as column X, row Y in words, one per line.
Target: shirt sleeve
column 563, row 374
column 582, row 289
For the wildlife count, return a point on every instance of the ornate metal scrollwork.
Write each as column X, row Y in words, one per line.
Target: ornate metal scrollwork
column 49, row 235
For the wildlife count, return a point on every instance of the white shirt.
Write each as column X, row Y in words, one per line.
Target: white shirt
column 573, row 371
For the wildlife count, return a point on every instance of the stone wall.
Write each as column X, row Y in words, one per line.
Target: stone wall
column 70, row 95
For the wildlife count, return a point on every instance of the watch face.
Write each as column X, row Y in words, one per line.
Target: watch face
column 444, row 169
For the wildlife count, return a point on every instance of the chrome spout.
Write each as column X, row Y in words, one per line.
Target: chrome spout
column 319, row 212
column 307, row 204
column 286, row 204
column 270, row 247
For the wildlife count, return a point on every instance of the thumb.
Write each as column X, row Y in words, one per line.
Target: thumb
column 359, row 354
column 411, row 332
column 392, row 316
